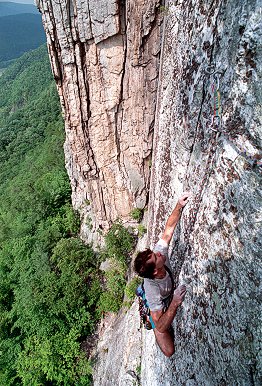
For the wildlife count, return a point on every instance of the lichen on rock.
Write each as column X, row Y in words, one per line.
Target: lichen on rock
column 209, row 46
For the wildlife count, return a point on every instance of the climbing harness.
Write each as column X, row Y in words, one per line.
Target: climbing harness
column 144, row 310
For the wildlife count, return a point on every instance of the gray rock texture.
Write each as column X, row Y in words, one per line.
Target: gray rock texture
column 217, row 249
column 105, row 59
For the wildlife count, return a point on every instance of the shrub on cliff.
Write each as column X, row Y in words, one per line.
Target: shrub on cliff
column 130, row 290
column 111, row 298
column 137, row 214
column 119, row 243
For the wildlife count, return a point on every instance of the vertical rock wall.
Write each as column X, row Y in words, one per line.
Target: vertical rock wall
column 105, row 60
column 212, row 49
column 105, row 57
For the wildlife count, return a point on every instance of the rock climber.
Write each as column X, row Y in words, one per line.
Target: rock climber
column 154, row 267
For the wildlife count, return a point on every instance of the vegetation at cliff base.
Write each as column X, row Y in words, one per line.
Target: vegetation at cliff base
column 119, row 243
column 52, row 293
column 49, row 281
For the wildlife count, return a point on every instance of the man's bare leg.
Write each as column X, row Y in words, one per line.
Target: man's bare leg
column 165, row 341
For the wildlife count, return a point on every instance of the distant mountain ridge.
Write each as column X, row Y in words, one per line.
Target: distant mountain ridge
column 19, row 34
column 19, row 1
column 10, row 8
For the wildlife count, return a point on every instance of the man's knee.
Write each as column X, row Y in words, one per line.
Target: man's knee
column 165, row 342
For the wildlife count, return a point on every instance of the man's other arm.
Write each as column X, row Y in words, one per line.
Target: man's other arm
column 162, row 319
column 174, row 217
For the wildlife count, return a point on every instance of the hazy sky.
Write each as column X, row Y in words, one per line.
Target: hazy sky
column 18, row 1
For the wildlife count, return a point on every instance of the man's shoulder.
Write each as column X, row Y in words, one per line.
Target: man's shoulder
column 153, row 295
column 151, row 285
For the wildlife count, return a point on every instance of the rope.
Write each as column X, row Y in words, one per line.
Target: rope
column 253, row 160
column 215, row 131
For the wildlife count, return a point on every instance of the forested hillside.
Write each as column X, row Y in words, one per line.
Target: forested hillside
column 48, row 278
column 51, row 295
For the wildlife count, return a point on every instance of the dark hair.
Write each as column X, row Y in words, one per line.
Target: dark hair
column 141, row 265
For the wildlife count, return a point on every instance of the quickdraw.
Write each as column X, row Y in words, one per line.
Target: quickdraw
column 253, row 160
column 144, row 310
column 216, row 131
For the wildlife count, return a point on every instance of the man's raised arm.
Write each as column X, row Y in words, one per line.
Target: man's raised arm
column 174, row 217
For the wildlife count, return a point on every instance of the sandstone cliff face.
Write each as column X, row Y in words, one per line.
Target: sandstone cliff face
column 105, row 58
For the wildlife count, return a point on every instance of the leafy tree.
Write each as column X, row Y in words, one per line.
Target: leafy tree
column 49, row 279
column 119, row 242
column 51, row 290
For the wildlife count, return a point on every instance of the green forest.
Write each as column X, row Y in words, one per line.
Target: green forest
column 52, row 293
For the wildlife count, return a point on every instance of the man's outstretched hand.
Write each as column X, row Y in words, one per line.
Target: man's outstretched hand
column 183, row 200
column 174, row 217
column 179, row 295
